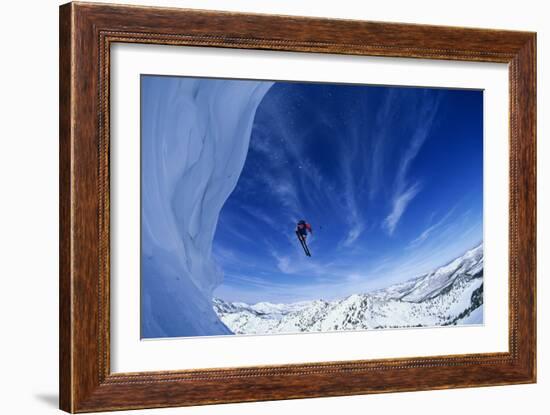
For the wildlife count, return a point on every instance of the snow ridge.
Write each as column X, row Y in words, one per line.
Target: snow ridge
column 449, row 295
column 195, row 138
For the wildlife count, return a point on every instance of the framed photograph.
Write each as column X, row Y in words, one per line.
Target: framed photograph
column 258, row 207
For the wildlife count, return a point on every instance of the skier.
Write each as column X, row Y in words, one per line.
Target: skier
column 302, row 229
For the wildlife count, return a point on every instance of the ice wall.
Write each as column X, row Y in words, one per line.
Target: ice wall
column 195, row 137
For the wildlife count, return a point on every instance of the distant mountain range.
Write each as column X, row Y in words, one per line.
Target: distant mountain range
column 449, row 295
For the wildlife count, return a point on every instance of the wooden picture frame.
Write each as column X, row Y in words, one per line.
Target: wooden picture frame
column 86, row 33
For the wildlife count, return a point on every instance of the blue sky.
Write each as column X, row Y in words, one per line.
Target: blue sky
column 390, row 178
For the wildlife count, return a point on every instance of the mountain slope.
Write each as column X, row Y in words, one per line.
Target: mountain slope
column 452, row 294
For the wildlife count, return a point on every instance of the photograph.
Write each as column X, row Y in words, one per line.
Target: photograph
column 257, row 204
column 284, row 207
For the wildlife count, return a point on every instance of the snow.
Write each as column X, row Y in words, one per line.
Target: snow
column 463, row 301
column 376, row 310
column 475, row 317
column 443, row 277
column 194, row 146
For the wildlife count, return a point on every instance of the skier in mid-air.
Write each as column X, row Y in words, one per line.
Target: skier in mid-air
column 302, row 229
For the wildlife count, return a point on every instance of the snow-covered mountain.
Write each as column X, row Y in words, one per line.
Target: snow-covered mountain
column 450, row 295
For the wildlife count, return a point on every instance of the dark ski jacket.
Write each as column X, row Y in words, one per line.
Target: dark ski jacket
column 303, row 229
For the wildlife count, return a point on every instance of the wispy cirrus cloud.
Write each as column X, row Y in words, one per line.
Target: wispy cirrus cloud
column 355, row 171
column 431, row 228
column 405, row 191
column 354, row 232
column 350, row 158
column 284, row 264
column 400, row 202
column 292, row 264
column 379, row 142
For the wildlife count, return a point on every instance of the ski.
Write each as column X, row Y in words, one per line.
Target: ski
column 303, row 243
column 306, row 248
